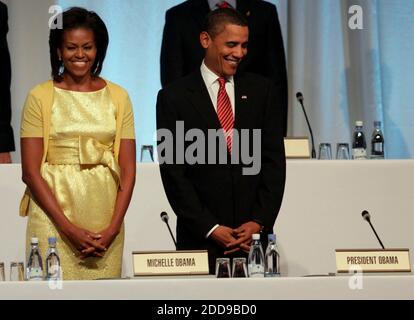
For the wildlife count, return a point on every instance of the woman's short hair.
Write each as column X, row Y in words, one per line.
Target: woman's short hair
column 75, row 18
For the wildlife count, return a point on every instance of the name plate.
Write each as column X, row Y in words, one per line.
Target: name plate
column 373, row 260
column 167, row 263
column 297, row 148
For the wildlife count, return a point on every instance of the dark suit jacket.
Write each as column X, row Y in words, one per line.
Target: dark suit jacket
column 6, row 131
column 205, row 195
column 181, row 52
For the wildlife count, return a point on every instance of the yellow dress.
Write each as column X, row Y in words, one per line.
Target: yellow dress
column 83, row 174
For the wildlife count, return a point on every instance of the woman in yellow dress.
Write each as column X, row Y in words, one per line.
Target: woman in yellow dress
column 78, row 153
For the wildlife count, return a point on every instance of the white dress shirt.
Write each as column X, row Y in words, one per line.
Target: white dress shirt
column 213, row 86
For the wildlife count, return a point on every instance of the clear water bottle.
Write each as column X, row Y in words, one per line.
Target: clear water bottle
column 272, row 258
column 256, row 258
column 359, row 144
column 52, row 261
column 34, row 263
column 377, row 142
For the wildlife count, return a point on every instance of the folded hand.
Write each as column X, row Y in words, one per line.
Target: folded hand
column 84, row 241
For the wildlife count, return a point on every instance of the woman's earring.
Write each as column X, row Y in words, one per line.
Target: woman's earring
column 61, row 68
column 96, row 69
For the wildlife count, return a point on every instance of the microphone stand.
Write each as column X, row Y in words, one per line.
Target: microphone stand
column 373, row 229
column 165, row 218
column 367, row 217
column 310, row 129
column 172, row 236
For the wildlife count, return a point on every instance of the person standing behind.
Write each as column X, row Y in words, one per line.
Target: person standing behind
column 6, row 131
column 218, row 205
column 182, row 54
column 78, row 153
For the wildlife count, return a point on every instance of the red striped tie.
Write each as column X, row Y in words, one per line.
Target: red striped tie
column 225, row 112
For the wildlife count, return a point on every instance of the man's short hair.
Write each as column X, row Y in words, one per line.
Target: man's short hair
column 216, row 20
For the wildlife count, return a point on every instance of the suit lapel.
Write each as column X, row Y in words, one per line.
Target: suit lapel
column 199, row 10
column 201, row 100
column 241, row 101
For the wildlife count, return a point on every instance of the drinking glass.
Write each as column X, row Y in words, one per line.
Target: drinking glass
column 223, row 268
column 239, row 268
column 325, row 152
column 16, row 271
column 147, row 153
column 342, row 151
column 2, row 278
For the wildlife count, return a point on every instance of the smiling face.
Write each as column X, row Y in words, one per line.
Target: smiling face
column 226, row 50
column 78, row 52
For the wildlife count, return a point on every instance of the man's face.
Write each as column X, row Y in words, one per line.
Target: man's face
column 226, row 50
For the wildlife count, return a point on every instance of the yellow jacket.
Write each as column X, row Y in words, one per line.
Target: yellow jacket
column 37, row 114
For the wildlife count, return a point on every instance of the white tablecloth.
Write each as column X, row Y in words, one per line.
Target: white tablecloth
column 321, row 212
column 369, row 287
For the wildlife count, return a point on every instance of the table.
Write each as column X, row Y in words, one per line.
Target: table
column 321, row 212
column 337, row 287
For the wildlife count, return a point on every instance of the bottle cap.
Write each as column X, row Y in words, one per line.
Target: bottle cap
column 256, row 236
column 271, row 237
column 52, row 240
column 359, row 123
column 34, row 240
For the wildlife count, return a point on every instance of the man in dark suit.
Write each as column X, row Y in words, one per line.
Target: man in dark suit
column 6, row 131
column 219, row 205
column 182, row 54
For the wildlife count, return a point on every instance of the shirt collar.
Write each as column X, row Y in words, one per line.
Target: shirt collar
column 210, row 77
